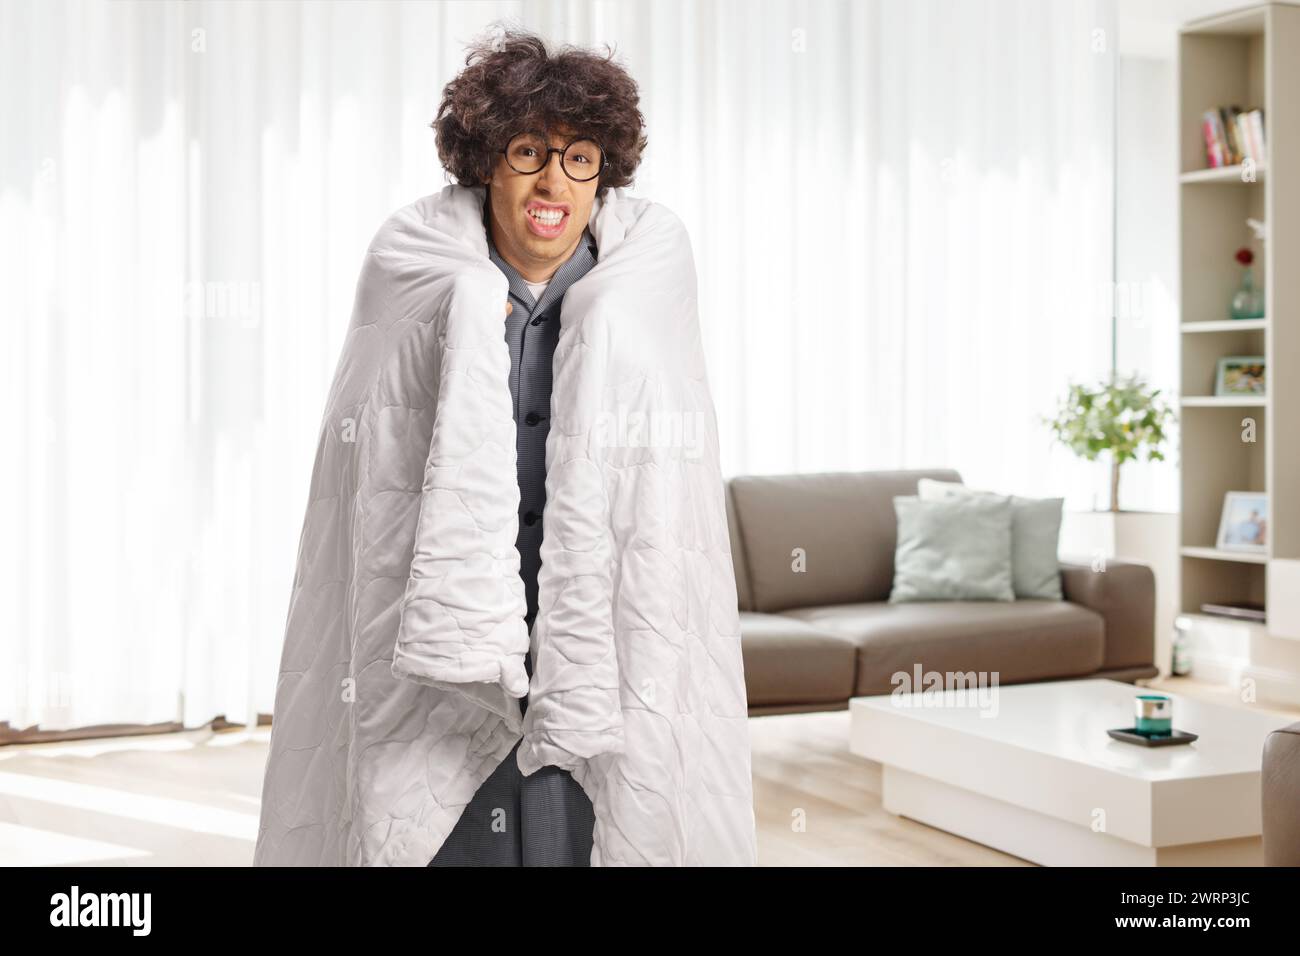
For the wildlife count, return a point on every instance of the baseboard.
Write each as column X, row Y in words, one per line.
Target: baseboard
column 1273, row 685
column 1219, row 668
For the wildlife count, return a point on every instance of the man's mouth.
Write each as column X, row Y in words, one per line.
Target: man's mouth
column 547, row 221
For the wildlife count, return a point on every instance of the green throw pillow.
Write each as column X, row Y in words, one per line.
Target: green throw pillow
column 1035, row 537
column 953, row 549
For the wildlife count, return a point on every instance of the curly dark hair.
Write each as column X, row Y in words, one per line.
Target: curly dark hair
column 511, row 82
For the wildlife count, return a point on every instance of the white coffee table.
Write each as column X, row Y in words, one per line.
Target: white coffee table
column 1028, row 769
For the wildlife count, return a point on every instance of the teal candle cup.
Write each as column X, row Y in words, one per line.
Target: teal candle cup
column 1155, row 714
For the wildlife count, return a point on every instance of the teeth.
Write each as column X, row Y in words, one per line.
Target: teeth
column 546, row 218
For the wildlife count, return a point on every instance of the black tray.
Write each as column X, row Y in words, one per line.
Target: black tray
column 1130, row 735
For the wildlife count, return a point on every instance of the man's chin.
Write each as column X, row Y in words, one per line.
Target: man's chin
column 543, row 248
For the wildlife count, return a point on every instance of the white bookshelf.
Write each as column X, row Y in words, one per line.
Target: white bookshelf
column 1216, row 554
column 1224, row 174
column 1225, row 401
column 1248, row 58
column 1227, row 325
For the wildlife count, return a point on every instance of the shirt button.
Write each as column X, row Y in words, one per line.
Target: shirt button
column 532, row 418
column 531, row 518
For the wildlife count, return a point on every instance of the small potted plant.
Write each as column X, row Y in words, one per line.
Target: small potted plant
column 1123, row 420
column 1120, row 418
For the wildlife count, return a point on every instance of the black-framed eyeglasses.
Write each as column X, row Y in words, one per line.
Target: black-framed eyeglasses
column 582, row 160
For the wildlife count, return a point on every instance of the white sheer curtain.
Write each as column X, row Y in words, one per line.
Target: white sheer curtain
column 901, row 212
column 917, row 248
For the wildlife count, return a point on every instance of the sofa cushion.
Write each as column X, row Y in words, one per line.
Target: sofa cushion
column 790, row 662
column 1019, row 640
column 1035, row 537
column 844, row 524
column 953, row 549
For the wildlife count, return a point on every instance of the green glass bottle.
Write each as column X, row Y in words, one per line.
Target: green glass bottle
column 1248, row 302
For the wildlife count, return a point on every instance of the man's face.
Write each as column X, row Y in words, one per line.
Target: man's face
column 524, row 209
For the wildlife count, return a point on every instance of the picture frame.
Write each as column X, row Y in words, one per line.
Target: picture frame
column 1241, row 375
column 1243, row 524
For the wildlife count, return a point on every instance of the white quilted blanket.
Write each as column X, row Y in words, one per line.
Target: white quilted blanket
column 404, row 651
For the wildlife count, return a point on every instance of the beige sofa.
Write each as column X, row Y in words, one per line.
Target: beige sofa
column 814, row 638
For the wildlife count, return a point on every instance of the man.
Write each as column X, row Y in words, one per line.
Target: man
column 541, row 184
column 444, row 696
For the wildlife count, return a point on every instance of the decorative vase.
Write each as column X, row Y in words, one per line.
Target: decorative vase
column 1248, row 302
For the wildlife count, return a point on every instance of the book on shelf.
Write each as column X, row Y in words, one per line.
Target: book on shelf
column 1233, row 136
column 1244, row 611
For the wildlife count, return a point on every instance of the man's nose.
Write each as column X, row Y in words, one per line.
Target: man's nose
column 552, row 175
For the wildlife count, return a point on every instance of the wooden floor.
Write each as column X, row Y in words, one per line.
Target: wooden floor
column 818, row 805
column 192, row 798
